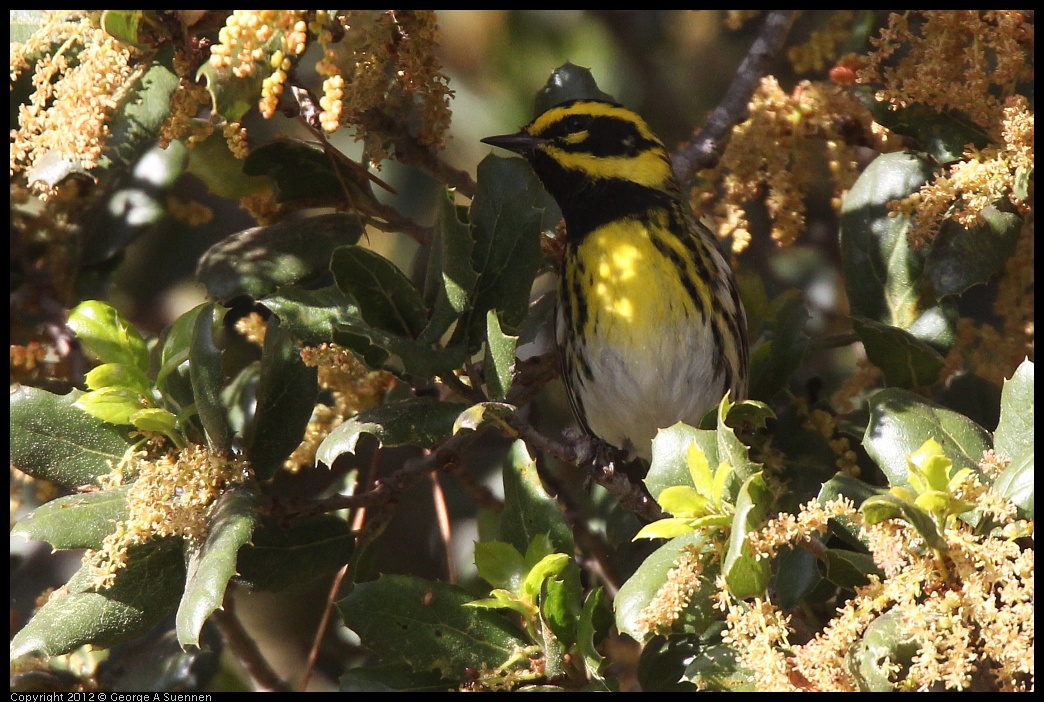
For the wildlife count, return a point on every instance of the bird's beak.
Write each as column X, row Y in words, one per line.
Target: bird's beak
column 519, row 143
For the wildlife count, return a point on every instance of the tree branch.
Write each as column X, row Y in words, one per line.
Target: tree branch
column 706, row 149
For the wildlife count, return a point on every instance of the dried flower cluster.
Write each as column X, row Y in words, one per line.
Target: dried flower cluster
column 79, row 73
column 172, row 496
column 968, row 612
column 776, row 154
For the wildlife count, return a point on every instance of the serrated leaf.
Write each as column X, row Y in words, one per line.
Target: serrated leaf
column 396, row 353
column 54, row 440
column 281, row 555
column 961, row 257
column 395, row 677
column 505, row 225
column 450, row 278
column 642, row 587
column 119, row 375
column 386, row 298
column 1014, row 435
column 550, row 566
column 670, row 450
column 76, row 521
column 667, row 528
column 109, row 335
column 418, row 421
column 312, row 316
column 146, row 591
column 500, row 564
column 682, row 500
column 260, row 261
column 529, row 512
column 286, row 395
column 591, row 629
column 112, row 405
column 882, row 507
column 207, row 380
column 906, row 361
column 427, row 626
column 883, row 276
column 901, row 421
column 774, row 361
column 561, row 605
column 481, row 414
column 156, row 420
column 213, row 563
column 1016, row 484
column 500, row 357
column 745, row 575
column 730, row 449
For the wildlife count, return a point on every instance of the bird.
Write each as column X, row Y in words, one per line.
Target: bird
column 649, row 327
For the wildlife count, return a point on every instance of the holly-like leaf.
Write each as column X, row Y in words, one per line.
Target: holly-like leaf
column 529, row 511
column 286, row 396
column 281, row 555
column 500, row 357
column 1014, row 435
column 418, row 421
column 901, row 421
column 54, row 440
column 208, row 378
column 426, row 625
column 746, row 575
column 450, row 279
column 961, row 257
column 147, row 589
column 262, row 260
column 905, row 360
column 76, row 521
column 213, row 562
column 109, row 335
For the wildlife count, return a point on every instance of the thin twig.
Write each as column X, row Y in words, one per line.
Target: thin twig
column 706, row 149
column 245, row 650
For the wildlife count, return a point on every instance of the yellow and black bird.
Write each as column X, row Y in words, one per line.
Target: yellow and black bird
column 650, row 327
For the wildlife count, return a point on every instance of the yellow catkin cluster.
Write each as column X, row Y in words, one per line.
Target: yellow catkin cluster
column 969, row 611
column 969, row 62
column 353, row 387
column 73, row 98
column 673, row 596
column 776, row 152
column 172, row 496
column 383, row 59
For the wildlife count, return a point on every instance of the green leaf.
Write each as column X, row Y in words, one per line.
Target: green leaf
column 281, row 555
column 109, row 335
column 551, row 566
column 1014, row 435
column 173, row 378
column 395, row 677
column 505, row 222
column 683, row 501
column 396, row 353
column 312, row 316
column 76, row 521
column 883, row 276
column 745, row 575
column 568, row 82
column 886, row 641
column 500, row 357
column 905, row 360
column 529, row 511
column 146, row 591
column 262, row 260
column 213, row 563
column 112, row 405
column 305, row 171
column 716, row 669
column 233, row 96
column 561, row 603
column 286, row 396
column 795, row 575
column 156, row 420
column 207, row 380
column 127, row 26
column 849, row 569
column 1016, row 484
column 961, row 257
column 730, row 449
column 119, row 375
column 900, row 422
column 773, row 362
column 427, row 626
column 665, row 528
column 670, row 450
column 500, row 564
column 591, row 629
column 418, row 421
column 450, row 278
column 881, row 507
column 387, row 299
column 481, row 414
column 52, row 439
column 642, row 587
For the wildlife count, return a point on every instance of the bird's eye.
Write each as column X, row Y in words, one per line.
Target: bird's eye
column 577, row 123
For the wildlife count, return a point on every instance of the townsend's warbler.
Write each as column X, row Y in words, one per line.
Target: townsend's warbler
column 650, row 327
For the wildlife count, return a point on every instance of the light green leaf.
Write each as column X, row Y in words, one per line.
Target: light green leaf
column 108, row 335
column 500, row 564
